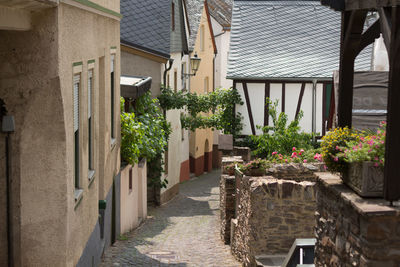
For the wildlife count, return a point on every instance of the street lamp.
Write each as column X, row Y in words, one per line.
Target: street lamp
column 194, row 64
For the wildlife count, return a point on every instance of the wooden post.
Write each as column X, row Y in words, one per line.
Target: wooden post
column 352, row 27
column 392, row 160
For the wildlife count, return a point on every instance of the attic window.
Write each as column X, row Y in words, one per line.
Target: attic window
column 173, row 16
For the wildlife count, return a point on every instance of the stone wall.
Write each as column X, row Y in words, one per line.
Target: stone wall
column 354, row 231
column 227, row 205
column 271, row 211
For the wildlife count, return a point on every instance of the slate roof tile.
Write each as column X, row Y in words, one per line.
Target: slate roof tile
column 286, row 39
column 221, row 11
column 146, row 24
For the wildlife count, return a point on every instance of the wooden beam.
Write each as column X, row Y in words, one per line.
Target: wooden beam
column 266, row 104
column 248, row 104
column 352, row 28
column 283, row 97
column 303, row 87
column 368, row 37
column 392, row 160
column 385, row 25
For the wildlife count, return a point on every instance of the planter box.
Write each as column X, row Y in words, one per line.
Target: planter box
column 365, row 179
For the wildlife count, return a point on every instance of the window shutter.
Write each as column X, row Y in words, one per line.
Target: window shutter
column 77, row 80
column 90, row 84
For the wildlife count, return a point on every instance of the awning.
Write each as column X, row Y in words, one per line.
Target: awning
column 134, row 86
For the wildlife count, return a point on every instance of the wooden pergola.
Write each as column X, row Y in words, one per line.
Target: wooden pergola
column 353, row 40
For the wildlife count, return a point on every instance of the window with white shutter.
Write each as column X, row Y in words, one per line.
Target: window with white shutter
column 76, row 88
column 112, row 95
column 90, row 120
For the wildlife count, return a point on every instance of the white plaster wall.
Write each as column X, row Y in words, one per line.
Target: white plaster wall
column 221, row 60
column 257, row 96
column 178, row 147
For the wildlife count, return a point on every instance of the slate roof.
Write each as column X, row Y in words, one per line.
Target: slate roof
column 286, row 40
column 194, row 10
column 146, row 25
column 221, row 11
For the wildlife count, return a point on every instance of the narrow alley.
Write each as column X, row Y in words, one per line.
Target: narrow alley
column 183, row 232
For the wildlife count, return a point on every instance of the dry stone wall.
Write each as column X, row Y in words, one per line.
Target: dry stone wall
column 272, row 212
column 354, row 231
column 227, row 205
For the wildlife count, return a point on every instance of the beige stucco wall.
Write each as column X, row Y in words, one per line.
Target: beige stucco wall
column 31, row 89
column 129, row 199
column 36, row 84
column 134, row 65
column 199, row 137
column 88, row 36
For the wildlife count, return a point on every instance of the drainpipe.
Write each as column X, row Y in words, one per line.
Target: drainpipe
column 314, row 108
column 8, row 127
column 170, row 61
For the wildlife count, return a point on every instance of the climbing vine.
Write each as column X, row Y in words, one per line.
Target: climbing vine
column 213, row 110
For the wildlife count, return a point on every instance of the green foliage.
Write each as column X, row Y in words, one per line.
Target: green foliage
column 144, row 134
column 281, row 138
column 344, row 146
column 332, row 147
column 213, row 110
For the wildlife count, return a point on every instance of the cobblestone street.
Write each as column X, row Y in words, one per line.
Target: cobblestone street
column 184, row 232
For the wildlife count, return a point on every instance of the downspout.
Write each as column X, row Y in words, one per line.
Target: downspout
column 8, row 127
column 170, row 61
column 314, row 108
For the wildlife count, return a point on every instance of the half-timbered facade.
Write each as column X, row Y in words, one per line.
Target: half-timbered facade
column 286, row 51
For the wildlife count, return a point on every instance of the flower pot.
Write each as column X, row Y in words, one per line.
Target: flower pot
column 365, row 179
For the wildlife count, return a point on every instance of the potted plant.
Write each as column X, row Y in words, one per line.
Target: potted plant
column 359, row 157
column 256, row 167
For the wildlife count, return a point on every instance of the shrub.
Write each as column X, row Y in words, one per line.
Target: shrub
column 280, row 137
column 333, row 144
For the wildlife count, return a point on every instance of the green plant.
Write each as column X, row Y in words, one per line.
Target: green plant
column 370, row 147
column 332, row 147
column 258, row 164
column 297, row 156
column 280, row 137
column 144, row 134
column 213, row 110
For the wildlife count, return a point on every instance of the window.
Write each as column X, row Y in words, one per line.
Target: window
column 90, row 120
column 175, row 81
column 206, row 85
column 183, row 76
column 112, row 95
column 202, row 37
column 173, row 16
column 76, row 89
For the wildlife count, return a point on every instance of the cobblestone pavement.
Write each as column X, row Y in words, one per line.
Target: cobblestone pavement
column 183, row 232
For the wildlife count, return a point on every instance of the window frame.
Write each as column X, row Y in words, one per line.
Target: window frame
column 91, row 118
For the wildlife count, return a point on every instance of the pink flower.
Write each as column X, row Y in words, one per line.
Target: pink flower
column 376, row 164
column 294, row 154
column 376, row 158
column 293, row 149
column 274, row 153
column 286, row 160
column 301, row 150
column 337, row 147
column 305, row 161
column 336, row 159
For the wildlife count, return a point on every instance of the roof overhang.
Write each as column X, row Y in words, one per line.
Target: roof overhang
column 281, row 79
column 134, row 86
column 143, row 51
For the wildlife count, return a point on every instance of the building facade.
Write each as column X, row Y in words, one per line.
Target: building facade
column 201, row 43
column 59, row 76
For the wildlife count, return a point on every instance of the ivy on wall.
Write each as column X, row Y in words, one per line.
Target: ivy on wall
column 213, row 110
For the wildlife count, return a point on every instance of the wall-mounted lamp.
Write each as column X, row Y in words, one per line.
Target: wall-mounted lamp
column 194, row 64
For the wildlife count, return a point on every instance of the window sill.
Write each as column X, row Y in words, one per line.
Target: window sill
column 78, row 194
column 91, row 177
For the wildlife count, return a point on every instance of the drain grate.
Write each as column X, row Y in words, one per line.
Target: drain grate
column 163, row 255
